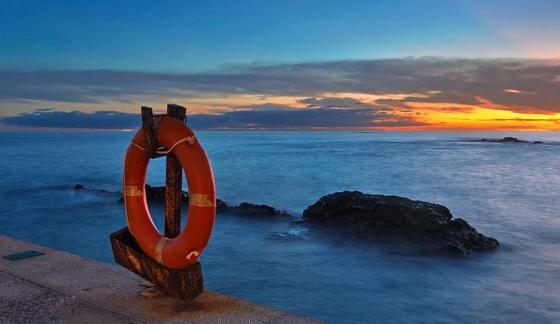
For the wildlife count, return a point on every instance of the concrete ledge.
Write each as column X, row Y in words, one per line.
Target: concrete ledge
column 62, row 287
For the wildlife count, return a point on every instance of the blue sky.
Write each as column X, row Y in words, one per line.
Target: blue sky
column 201, row 35
column 220, row 57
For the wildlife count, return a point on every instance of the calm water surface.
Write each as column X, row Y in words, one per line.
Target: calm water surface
column 509, row 191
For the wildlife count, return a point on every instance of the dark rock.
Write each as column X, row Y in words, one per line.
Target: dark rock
column 507, row 139
column 246, row 208
column 430, row 227
column 510, row 140
column 249, row 209
column 157, row 195
column 221, row 205
column 81, row 187
column 378, row 215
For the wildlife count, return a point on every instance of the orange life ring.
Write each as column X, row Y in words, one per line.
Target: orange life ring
column 186, row 248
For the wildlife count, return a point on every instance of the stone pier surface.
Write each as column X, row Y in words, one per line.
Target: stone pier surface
column 65, row 288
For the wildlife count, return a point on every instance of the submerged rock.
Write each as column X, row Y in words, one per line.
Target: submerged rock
column 431, row 225
column 157, row 194
column 81, row 187
column 246, row 208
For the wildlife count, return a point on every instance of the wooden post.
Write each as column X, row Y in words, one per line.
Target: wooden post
column 150, row 140
column 173, row 182
column 186, row 283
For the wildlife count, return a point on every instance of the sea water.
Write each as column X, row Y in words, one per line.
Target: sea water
column 508, row 191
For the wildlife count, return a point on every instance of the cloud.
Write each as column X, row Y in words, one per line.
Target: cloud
column 263, row 107
column 285, row 118
column 302, row 119
column 330, row 102
column 535, row 83
column 48, row 117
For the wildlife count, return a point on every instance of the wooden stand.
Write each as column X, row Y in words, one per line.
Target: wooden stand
column 186, row 283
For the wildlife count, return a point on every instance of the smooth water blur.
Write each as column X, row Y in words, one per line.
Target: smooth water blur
column 509, row 191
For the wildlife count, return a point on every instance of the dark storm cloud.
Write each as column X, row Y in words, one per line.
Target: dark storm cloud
column 286, row 118
column 536, row 83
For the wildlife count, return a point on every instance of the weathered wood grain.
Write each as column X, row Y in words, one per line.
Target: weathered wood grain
column 173, row 182
column 186, row 283
column 150, row 140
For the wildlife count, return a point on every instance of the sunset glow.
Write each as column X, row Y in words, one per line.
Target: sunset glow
column 329, row 161
column 487, row 119
column 453, row 66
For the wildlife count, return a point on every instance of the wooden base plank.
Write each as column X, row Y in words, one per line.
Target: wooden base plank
column 186, row 283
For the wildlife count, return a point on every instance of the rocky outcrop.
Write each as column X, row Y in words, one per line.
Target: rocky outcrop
column 429, row 227
column 428, row 224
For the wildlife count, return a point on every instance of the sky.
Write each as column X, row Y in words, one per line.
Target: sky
column 380, row 65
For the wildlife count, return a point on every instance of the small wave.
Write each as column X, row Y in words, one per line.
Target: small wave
column 294, row 234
